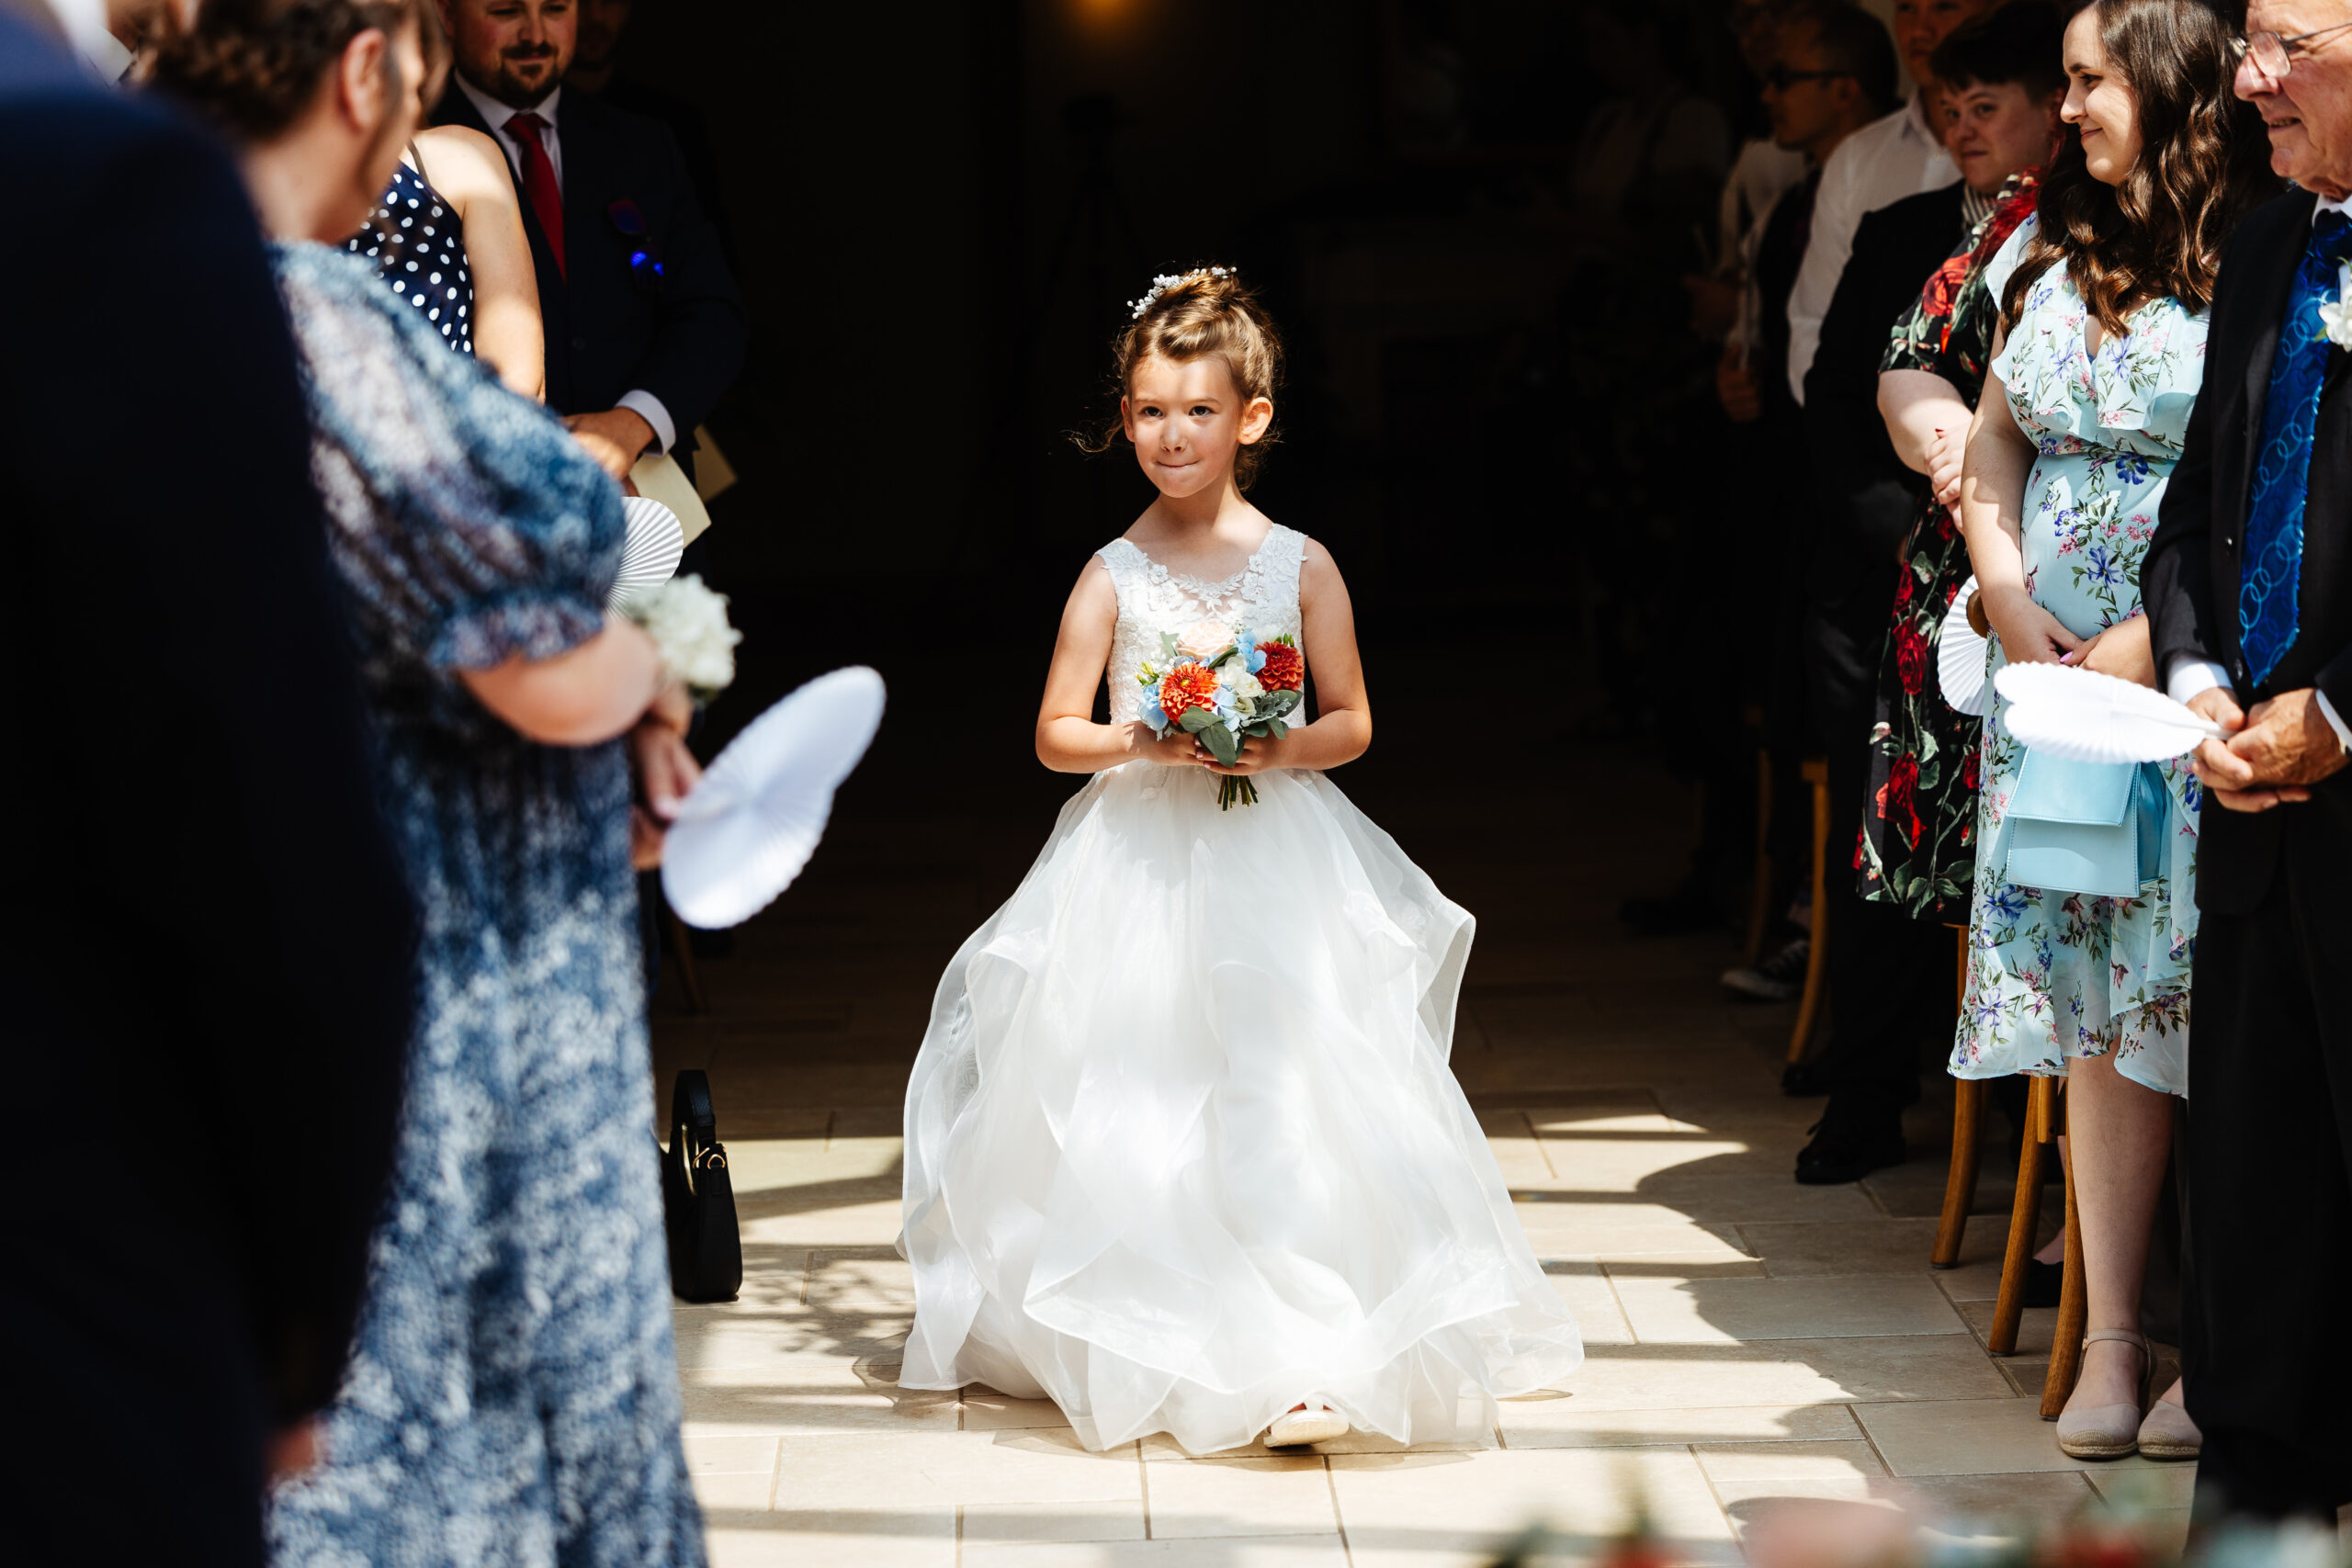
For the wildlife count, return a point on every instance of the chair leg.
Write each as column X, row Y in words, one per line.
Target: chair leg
column 2074, row 1310
column 1816, row 964
column 1960, row 1181
column 2041, row 1108
column 1759, row 897
column 681, row 952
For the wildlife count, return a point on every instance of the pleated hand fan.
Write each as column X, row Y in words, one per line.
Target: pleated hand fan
column 656, row 540
column 743, row 833
column 2085, row 717
column 1959, row 656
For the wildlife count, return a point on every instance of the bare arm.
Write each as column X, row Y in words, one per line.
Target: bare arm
column 468, row 168
column 583, row 695
column 1917, row 406
column 1342, row 729
column 1068, row 740
column 1992, row 507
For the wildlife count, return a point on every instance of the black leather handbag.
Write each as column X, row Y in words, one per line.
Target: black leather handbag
column 698, row 1197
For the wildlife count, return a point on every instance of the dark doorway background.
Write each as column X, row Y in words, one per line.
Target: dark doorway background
column 1496, row 418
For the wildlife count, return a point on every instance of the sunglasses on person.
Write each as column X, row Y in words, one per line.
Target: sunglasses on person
column 2276, row 55
column 1779, row 78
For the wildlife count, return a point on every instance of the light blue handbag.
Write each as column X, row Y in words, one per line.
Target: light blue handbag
column 2092, row 828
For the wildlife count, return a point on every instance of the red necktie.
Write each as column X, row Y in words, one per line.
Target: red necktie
column 538, row 182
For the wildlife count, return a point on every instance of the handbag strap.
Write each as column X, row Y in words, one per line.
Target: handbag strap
column 690, row 1107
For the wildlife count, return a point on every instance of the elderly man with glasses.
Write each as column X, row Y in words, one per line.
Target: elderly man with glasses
column 2248, row 584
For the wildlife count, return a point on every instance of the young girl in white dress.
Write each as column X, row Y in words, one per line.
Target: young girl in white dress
column 1183, row 1151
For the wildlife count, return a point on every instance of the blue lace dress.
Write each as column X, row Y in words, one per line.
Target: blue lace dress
column 513, row 1398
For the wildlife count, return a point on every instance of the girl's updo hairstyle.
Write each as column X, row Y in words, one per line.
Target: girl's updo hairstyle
column 2204, row 163
column 1209, row 311
column 252, row 66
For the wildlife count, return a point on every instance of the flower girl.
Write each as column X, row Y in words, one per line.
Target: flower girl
column 1183, row 1151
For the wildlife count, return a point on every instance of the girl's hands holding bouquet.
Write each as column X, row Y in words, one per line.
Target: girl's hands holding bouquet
column 1258, row 754
column 1221, row 690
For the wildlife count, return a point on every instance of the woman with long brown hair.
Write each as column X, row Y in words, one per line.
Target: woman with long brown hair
column 2081, row 968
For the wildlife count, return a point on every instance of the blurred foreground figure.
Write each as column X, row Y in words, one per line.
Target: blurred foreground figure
column 209, row 980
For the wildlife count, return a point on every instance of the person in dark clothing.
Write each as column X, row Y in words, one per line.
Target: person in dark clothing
column 596, row 70
column 645, row 328
column 1887, row 972
column 212, row 966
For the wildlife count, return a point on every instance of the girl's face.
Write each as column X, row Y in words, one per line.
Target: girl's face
column 2100, row 103
column 1187, row 419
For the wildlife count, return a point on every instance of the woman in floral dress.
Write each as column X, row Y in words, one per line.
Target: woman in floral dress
column 2003, row 85
column 2082, row 418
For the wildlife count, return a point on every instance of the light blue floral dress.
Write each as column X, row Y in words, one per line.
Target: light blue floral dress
column 2056, row 975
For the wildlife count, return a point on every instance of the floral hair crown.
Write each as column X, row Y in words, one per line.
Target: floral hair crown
column 1169, row 280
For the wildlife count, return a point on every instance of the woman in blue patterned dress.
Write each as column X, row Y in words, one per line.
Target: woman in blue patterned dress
column 513, row 1398
column 2081, row 421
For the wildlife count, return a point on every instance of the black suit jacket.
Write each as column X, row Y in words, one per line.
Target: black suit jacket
column 2189, row 581
column 1865, row 499
column 612, row 327
column 1868, row 499
column 209, row 979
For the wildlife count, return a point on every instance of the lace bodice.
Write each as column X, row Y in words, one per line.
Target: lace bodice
column 1260, row 598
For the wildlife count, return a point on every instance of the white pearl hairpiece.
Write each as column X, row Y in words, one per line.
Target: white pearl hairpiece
column 1169, row 280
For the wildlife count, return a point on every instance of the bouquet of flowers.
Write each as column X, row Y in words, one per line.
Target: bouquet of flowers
column 1225, row 690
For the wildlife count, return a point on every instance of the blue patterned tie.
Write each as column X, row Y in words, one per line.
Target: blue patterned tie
column 2274, row 526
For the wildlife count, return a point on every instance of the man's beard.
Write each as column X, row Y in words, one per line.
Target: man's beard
column 504, row 84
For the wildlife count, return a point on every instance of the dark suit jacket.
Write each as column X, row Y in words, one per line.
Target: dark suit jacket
column 610, row 327
column 1865, row 498
column 209, row 981
column 2189, row 581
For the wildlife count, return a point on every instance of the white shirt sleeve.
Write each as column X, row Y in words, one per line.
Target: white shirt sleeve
column 2190, row 676
column 2334, row 721
column 1836, row 213
column 647, row 407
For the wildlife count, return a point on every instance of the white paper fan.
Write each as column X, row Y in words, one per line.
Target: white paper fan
column 1959, row 656
column 2088, row 717
column 743, row 833
column 656, row 540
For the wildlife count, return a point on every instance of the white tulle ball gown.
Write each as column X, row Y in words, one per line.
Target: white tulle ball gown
column 1181, row 1145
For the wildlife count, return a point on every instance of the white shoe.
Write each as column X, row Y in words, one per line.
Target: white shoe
column 1313, row 1422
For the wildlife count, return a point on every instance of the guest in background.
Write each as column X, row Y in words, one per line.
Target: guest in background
column 209, row 976
column 1763, row 169
column 1887, row 996
column 596, row 70
column 2086, row 406
column 2003, row 82
column 1832, row 73
column 644, row 326
column 1900, row 155
column 470, row 278
column 513, row 1396
column 2246, row 586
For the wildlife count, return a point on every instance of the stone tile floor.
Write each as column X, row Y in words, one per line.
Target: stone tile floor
column 1747, row 1339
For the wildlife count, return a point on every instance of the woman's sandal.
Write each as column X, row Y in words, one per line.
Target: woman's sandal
column 1312, row 1421
column 2107, row 1431
column 2169, row 1433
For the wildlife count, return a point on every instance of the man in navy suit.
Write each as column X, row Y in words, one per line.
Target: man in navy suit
column 2248, row 584
column 644, row 326
column 208, row 986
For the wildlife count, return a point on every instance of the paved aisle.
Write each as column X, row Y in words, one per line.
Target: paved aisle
column 1748, row 1339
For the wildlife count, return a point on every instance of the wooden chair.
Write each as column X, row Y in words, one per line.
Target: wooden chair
column 2041, row 1131
column 1816, row 964
column 2073, row 1308
column 1967, row 1147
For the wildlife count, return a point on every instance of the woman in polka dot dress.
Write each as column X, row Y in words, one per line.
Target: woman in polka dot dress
column 453, row 245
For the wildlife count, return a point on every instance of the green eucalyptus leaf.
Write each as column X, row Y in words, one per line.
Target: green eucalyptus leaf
column 1221, row 742
column 1195, row 720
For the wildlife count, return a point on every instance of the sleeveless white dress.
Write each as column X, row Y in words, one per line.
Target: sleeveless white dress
column 1181, row 1145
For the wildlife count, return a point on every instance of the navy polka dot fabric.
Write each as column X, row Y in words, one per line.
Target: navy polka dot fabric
column 419, row 246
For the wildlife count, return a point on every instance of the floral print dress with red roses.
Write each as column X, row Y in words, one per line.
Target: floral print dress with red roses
column 1918, row 847
column 2056, row 975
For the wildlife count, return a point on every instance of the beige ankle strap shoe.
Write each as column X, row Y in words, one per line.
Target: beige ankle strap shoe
column 2106, row 1431
column 2169, row 1433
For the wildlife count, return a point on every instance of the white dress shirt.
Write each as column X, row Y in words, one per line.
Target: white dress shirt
column 495, row 114
column 84, row 23
column 1888, row 160
column 2191, row 676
